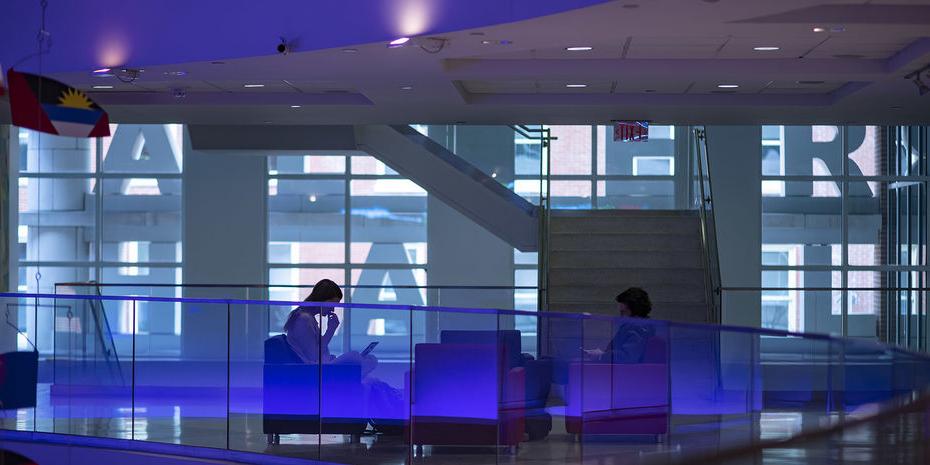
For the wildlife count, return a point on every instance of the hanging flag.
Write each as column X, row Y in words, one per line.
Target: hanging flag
column 50, row 106
column 631, row 131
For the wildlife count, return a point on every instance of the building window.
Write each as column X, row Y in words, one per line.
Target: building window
column 107, row 210
column 838, row 203
column 349, row 218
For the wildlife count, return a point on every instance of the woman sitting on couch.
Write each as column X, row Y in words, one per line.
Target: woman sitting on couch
column 308, row 342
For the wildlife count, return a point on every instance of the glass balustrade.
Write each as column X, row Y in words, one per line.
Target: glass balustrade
column 362, row 383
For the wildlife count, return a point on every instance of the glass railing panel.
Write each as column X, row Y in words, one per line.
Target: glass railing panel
column 25, row 403
column 624, row 385
column 512, row 156
column 466, row 386
column 275, row 382
column 636, row 194
column 365, row 387
column 559, row 407
column 184, row 399
column 90, row 388
column 463, row 385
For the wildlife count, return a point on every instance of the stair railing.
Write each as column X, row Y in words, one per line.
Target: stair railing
column 705, row 207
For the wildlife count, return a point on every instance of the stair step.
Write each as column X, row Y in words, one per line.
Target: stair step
column 648, row 225
column 693, row 313
column 606, row 294
column 624, row 242
column 622, row 278
column 642, row 259
column 612, row 213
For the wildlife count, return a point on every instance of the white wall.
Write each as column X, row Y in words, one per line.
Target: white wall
column 736, row 177
column 224, row 242
column 462, row 253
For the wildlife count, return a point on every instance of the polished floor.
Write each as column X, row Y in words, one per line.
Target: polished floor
column 692, row 438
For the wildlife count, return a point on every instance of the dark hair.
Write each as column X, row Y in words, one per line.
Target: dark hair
column 324, row 291
column 637, row 300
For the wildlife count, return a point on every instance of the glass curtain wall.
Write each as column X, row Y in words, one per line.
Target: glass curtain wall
column 843, row 220
column 349, row 218
column 106, row 209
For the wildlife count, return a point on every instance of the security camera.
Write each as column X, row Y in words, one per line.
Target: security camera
column 283, row 47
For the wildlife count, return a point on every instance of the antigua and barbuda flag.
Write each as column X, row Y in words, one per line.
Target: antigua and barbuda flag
column 59, row 109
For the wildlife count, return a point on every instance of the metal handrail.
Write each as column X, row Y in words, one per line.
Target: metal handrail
column 226, row 285
column 822, row 288
column 708, row 233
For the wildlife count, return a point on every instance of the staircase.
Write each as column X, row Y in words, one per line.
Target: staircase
column 596, row 254
column 456, row 182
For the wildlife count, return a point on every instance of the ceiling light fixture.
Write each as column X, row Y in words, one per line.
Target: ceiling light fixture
column 406, row 88
column 295, row 106
column 252, row 86
column 399, row 42
column 582, row 48
column 103, row 87
column 819, row 29
column 766, row 49
column 727, row 86
column 576, row 86
column 427, row 44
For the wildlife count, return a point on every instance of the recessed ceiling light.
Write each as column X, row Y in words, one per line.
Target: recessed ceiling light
column 728, row 86
column 312, row 198
column 576, row 86
column 252, row 86
column 819, row 29
column 583, row 48
column 399, row 42
column 766, row 49
column 103, row 87
column 295, row 106
column 350, row 50
column 406, row 88
column 102, row 72
column 486, row 42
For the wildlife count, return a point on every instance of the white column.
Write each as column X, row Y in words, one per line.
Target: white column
column 736, row 178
